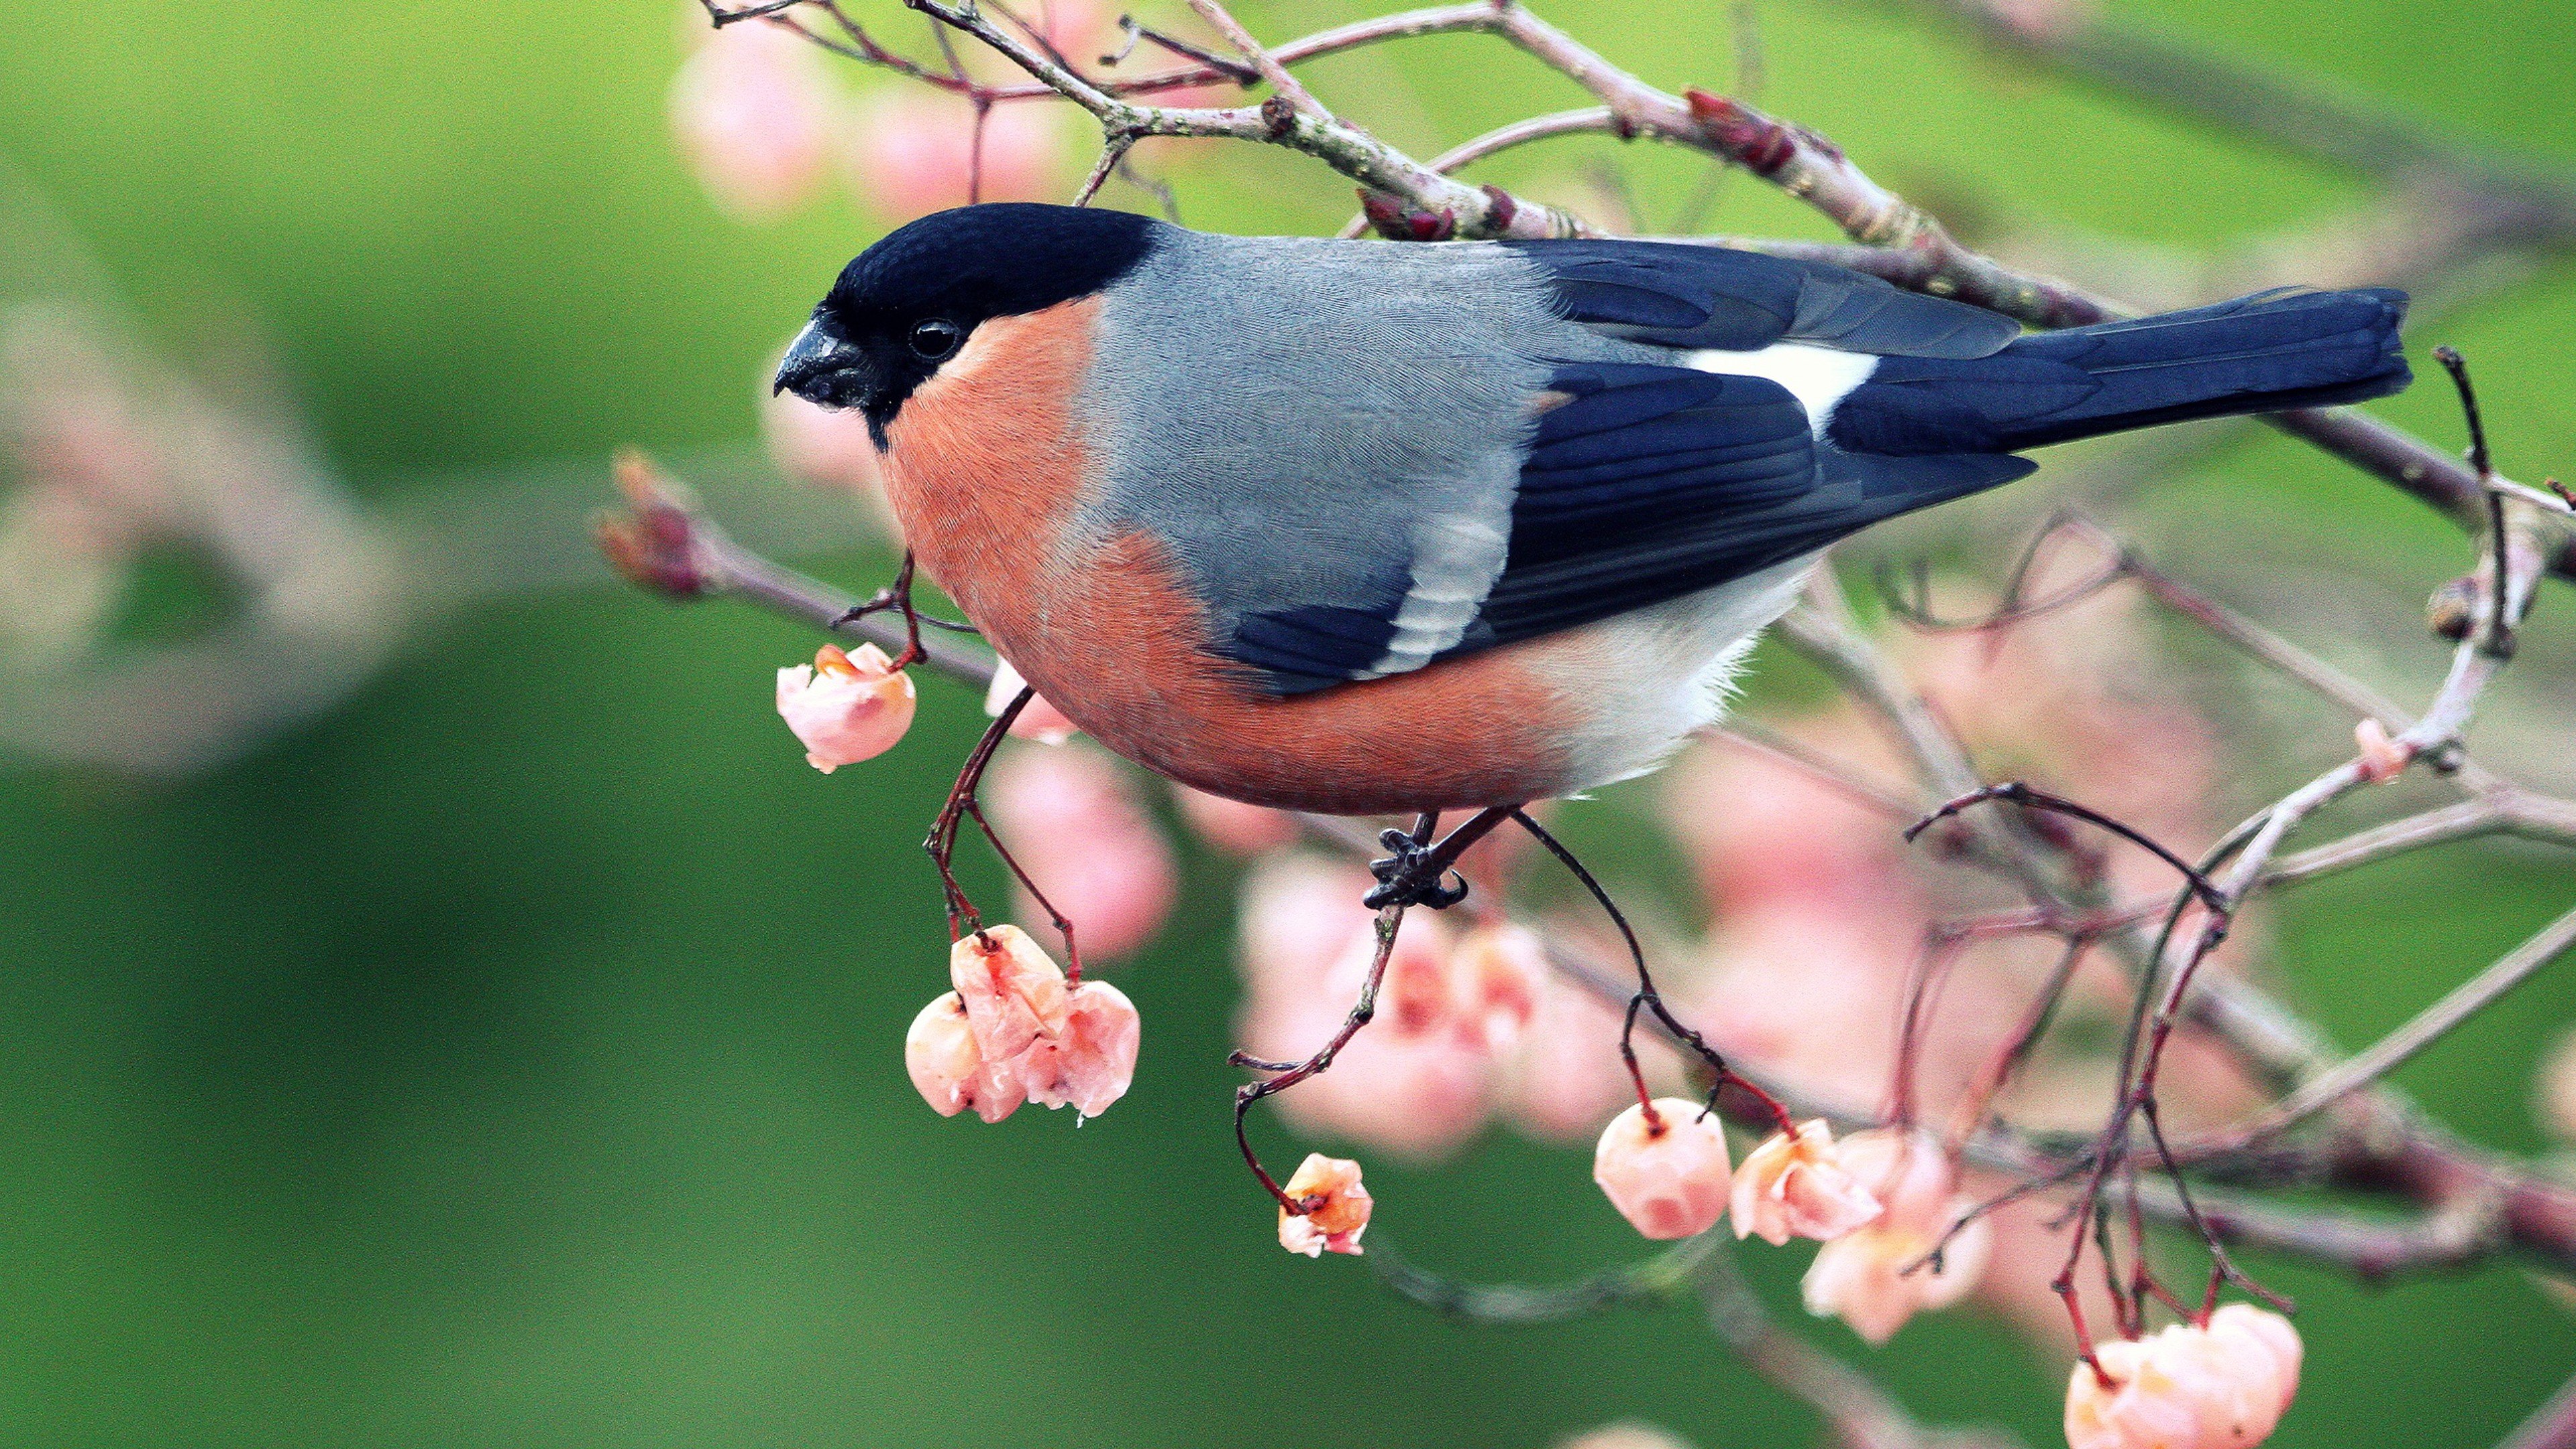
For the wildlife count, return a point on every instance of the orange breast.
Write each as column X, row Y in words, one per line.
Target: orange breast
column 987, row 467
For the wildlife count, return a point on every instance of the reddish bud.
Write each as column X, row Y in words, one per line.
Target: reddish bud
column 1400, row 220
column 2382, row 758
column 1760, row 144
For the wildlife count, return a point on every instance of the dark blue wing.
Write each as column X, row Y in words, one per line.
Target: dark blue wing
column 1656, row 482
column 1646, row 484
column 1315, row 646
column 1676, row 295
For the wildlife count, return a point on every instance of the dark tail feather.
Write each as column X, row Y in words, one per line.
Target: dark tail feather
column 2264, row 353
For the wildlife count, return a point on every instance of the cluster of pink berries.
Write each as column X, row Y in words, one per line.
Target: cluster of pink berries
column 2222, row 1384
column 1455, row 1015
column 763, row 120
column 1015, row 1031
column 1881, row 1201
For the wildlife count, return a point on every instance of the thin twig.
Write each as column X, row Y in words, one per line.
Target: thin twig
column 1858, row 1413
column 1262, row 60
column 1283, row 1075
column 2393, row 1050
column 1653, row 1282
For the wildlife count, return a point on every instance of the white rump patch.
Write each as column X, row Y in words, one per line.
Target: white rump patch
column 1818, row 377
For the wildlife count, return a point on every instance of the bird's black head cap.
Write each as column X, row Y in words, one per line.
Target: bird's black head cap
column 907, row 304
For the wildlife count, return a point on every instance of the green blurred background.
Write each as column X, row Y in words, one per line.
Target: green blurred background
column 511, row 1056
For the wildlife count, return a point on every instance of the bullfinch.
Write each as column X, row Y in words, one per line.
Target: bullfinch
column 1361, row 527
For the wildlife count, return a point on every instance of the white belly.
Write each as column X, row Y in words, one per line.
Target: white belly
column 1672, row 668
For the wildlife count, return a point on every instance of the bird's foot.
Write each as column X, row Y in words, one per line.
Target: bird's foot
column 1412, row 876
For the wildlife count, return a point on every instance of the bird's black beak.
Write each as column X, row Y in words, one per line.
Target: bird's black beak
column 821, row 367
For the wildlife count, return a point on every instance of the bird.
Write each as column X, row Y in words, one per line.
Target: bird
column 1362, row 527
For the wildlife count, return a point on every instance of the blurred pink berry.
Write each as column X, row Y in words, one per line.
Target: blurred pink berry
column 1497, row 975
column 1071, row 819
column 846, row 707
column 1240, row 830
column 1790, row 977
column 1861, row 1276
column 1038, row 720
column 1416, row 1083
column 2382, row 758
column 756, row 114
column 1013, row 991
column 1336, row 1207
column 913, row 153
column 2043, row 20
column 2187, row 1387
column 1797, row 1186
column 1419, row 996
column 1665, row 1171
column 950, row 1071
column 1296, row 916
column 2554, row 1094
column 1416, row 1098
column 1089, row 1062
column 1083, row 30
column 1907, row 1171
column 1762, row 831
column 1563, row 1080
column 826, row 448
column 2028, row 1247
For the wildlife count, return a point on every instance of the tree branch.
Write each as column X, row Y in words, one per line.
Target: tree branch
column 2393, row 1050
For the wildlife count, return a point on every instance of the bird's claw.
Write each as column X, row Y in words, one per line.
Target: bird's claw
column 1411, row 876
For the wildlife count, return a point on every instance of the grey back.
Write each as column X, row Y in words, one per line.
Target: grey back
column 1315, row 424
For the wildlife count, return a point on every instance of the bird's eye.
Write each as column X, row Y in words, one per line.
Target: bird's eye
column 935, row 338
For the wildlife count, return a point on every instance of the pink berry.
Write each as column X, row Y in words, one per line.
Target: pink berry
column 1665, row 1170
column 2224, row 1386
column 1013, row 991
column 1798, row 1186
column 1335, row 1207
column 846, row 707
column 1072, row 819
column 950, row 1071
column 756, row 114
column 1090, row 1061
